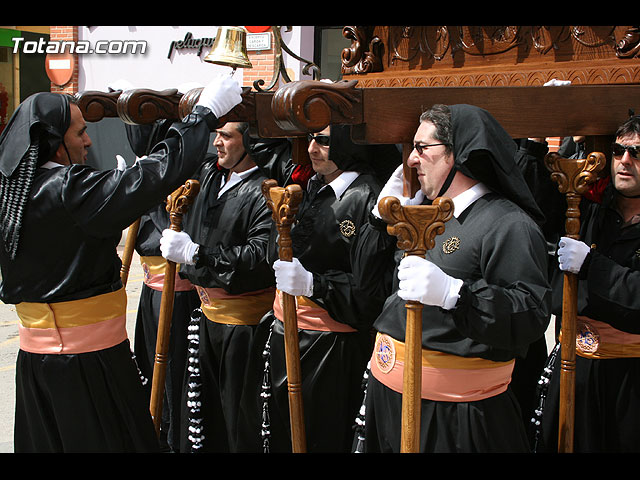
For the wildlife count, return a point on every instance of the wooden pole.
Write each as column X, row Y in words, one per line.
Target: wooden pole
column 129, row 247
column 416, row 227
column 177, row 205
column 573, row 177
column 284, row 203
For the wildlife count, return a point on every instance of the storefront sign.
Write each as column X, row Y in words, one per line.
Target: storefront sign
column 190, row 43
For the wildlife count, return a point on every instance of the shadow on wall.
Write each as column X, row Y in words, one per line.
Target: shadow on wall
column 108, row 138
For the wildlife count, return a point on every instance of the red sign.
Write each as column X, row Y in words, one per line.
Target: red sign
column 59, row 67
column 257, row 29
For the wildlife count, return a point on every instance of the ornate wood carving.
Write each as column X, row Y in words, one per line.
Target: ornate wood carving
column 415, row 56
column 365, row 53
column 416, row 226
column 141, row 106
column 310, row 105
column 574, row 176
column 96, row 105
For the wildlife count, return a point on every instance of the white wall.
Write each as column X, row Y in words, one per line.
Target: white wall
column 153, row 69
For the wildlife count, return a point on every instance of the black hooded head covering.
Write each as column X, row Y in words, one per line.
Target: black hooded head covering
column 379, row 160
column 484, row 151
column 32, row 136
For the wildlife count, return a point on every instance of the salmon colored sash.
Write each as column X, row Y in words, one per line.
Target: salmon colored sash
column 153, row 269
column 310, row 315
column 72, row 327
column 445, row 377
column 243, row 309
column 599, row 340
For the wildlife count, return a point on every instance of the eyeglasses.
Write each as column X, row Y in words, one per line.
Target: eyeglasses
column 421, row 146
column 618, row 150
column 320, row 139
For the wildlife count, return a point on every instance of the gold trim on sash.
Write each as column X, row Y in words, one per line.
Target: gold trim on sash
column 75, row 326
column 153, row 269
column 445, row 377
column 244, row 309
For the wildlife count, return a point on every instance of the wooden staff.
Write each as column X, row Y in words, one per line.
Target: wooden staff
column 416, row 227
column 177, row 205
column 573, row 177
column 127, row 254
column 284, row 203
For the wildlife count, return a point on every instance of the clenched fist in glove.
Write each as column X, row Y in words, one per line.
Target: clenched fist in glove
column 571, row 254
column 293, row 278
column 424, row 282
column 178, row 247
column 221, row 95
column 394, row 188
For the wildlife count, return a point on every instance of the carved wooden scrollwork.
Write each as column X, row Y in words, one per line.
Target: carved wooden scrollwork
column 416, row 226
column 283, row 203
column 179, row 201
column 629, row 45
column 312, row 105
column 142, row 106
column 365, row 53
column 96, row 105
column 573, row 177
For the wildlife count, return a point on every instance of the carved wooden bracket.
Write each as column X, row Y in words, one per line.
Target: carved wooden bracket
column 573, row 177
column 179, row 201
column 283, row 203
column 416, row 226
column 146, row 106
column 310, row 105
column 96, row 105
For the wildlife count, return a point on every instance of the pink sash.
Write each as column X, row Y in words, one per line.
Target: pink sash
column 445, row 377
column 310, row 316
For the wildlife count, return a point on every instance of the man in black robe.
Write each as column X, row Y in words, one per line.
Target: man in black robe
column 222, row 251
column 77, row 388
column 142, row 139
column 334, row 316
column 483, row 287
column 607, row 262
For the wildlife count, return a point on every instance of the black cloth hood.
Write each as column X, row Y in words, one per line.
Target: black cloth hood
column 142, row 138
column 484, row 151
column 380, row 160
column 43, row 118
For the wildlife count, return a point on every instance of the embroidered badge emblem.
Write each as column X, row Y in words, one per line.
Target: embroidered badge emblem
column 347, row 228
column 638, row 253
column 587, row 338
column 451, row 245
column 204, row 297
column 145, row 272
column 385, row 353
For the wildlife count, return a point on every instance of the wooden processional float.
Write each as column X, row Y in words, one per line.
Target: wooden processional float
column 385, row 115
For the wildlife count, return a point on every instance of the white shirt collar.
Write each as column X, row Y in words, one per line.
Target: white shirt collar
column 50, row 164
column 340, row 184
column 235, row 178
column 466, row 198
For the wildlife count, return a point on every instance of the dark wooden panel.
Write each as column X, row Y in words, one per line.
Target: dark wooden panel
column 391, row 114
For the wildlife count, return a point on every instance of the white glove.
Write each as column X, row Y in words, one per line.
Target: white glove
column 177, row 247
column 424, row 282
column 293, row 278
column 221, row 95
column 554, row 82
column 121, row 164
column 571, row 254
column 120, row 84
column 394, row 188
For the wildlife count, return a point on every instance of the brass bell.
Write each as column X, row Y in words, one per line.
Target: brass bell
column 230, row 48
